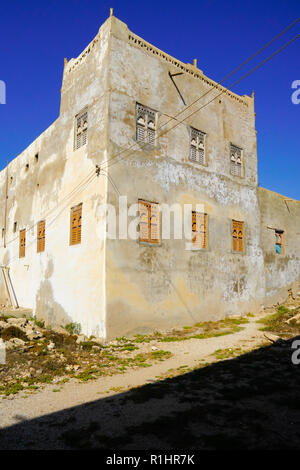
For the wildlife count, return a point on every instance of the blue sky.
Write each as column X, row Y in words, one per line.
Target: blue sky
column 35, row 37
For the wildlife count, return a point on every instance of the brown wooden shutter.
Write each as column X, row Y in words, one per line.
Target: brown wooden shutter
column 41, row 236
column 149, row 222
column 238, row 236
column 199, row 229
column 75, row 225
column 154, row 223
column 144, row 210
column 22, row 243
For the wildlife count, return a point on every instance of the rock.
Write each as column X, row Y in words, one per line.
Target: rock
column 99, row 341
column 82, row 339
column 3, row 325
column 20, row 322
column 154, row 348
column 295, row 318
column 61, row 331
column 272, row 338
column 76, row 367
column 17, row 342
column 50, row 346
column 32, row 333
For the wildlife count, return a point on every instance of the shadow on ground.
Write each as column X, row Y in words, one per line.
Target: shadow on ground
column 249, row 402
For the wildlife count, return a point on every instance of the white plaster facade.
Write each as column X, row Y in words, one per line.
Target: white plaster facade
column 117, row 287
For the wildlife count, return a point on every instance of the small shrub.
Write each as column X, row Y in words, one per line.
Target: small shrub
column 73, row 328
column 13, row 332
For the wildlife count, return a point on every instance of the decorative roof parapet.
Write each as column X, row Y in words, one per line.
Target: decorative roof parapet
column 189, row 68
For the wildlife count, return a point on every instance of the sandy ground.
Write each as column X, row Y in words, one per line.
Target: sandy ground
column 47, row 401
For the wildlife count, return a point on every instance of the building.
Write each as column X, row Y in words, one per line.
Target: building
column 116, row 134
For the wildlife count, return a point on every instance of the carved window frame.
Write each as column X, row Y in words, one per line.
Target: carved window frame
column 197, row 152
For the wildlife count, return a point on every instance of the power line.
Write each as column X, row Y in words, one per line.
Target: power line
column 183, row 110
column 54, row 219
column 69, row 195
column 217, row 96
column 236, row 70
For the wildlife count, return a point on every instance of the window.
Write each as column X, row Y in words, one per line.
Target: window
column 145, row 124
column 238, row 236
column 279, row 242
column 75, row 225
column 36, row 157
column 81, row 129
column 199, row 229
column 235, row 160
column 149, row 222
column 197, row 146
column 22, row 243
column 3, row 232
column 41, row 236
column 15, row 227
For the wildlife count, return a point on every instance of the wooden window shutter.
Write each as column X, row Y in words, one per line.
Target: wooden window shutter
column 22, row 243
column 41, row 226
column 235, row 160
column 145, row 124
column 197, row 146
column 75, row 225
column 237, row 236
column 199, row 229
column 149, row 222
column 154, row 223
column 81, row 129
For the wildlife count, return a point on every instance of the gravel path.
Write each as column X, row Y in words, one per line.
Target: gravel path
column 21, row 408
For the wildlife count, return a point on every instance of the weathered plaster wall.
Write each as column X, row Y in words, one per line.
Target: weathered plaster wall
column 117, row 287
column 281, row 271
column 160, row 286
column 64, row 283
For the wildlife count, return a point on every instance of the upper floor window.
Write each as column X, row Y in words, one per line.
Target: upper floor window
column 235, row 160
column 149, row 222
column 145, row 124
column 238, row 236
column 81, row 129
column 197, row 146
column 279, row 242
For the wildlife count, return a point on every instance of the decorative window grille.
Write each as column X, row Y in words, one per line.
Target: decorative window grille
column 41, row 226
column 235, row 160
column 145, row 124
column 197, row 146
column 199, row 229
column 279, row 242
column 75, row 225
column 238, row 236
column 22, row 243
column 81, row 129
column 149, row 222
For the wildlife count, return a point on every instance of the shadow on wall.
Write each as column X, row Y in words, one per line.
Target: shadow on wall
column 249, row 402
column 46, row 307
